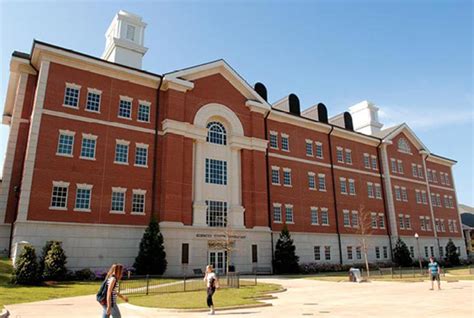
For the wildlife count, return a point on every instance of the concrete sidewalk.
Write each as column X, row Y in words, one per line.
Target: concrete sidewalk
column 304, row 298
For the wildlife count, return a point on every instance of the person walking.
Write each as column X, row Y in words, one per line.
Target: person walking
column 113, row 278
column 434, row 270
column 212, row 284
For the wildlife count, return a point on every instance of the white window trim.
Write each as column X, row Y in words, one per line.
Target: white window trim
column 86, row 187
column 324, row 210
column 142, row 192
column 93, row 91
column 283, row 135
column 122, row 190
column 74, row 86
column 126, row 99
column 292, row 214
column 59, row 184
column 311, row 209
column 344, row 213
column 273, row 133
column 141, row 145
column 353, row 183
column 89, row 136
column 277, row 205
column 125, row 143
column 144, row 103
column 66, row 133
column 291, row 177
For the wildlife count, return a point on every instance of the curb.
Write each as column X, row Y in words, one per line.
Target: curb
column 225, row 308
column 4, row 313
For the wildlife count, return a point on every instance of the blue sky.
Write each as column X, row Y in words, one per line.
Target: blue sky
column 414, row 59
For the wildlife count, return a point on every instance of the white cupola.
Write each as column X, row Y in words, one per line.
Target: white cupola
column 125, row 39
column 365, row 116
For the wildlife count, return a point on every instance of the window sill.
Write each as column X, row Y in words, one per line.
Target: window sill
column 92, row 111
column 137, row 213
column 64, row 155
column 324, row 224
column 126, row 118
column 121, row 163
column 82, row 210
column 285, row 150
column 143, row 121
column 56, row 208
column 312, row 189
column 288, row 185
column 323, row 190
column 276, row 184
column 277, row 222
column 87, row 158
column 274, row 148
column 140, row 166
column 71, row 107
column 316, row 224
column 319, row 157
column 116, row 212
column 290, row 222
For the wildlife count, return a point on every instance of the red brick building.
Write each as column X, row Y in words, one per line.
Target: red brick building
column 97, row 146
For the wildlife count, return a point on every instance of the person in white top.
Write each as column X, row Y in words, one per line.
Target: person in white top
column 212, row 284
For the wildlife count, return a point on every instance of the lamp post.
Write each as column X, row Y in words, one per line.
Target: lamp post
column 419, row 255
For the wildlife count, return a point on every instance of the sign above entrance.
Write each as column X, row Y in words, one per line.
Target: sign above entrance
column 202, row 235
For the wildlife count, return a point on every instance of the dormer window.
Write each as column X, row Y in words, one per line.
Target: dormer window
column 216, row 133
column 130, row 32
column 403, row 145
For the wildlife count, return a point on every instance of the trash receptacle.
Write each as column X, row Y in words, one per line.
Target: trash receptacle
column 354, row 275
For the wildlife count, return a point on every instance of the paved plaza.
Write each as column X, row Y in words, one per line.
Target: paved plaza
column 304, row 298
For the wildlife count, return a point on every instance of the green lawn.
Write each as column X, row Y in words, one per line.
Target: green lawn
column 197, row 299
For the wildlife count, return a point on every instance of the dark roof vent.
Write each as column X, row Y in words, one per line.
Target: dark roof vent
column 261, row 90
column 322, row 113
column 294, row 104
column 348, row 121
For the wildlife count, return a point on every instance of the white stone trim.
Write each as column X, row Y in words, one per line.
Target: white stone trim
column 276, row 155
column 126, row 98
column 61, row 184
column 144, row 102
column 30, row 156
column 96, row 121
column 11, row 145
column 122, row 142
column 119, row 189
column 139, row 191
column 408, row 180
column 94, row 91
column 141, row 145
column 442, row 188
column 89, row 136
column 84, row 186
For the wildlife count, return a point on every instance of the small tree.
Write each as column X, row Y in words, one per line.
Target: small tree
column 364, row 230
column 401, row 254
column 44, row 253
column 151, row 257
column 26, row 267
column 452, row 256
column 55, row 262
column 286, row 260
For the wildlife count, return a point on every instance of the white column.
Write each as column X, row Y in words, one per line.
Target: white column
column 388, row 191
column 199, row 206
column 236, row 216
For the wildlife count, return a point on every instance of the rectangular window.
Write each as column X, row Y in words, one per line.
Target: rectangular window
column 130, row 32
column 398, row 196
column 65, row 143
column 414, row 170
column 216, row 213
column 374, row 163
column 59, row 195
column 435, row 178
column 441, row 251
column 319, row 150
column 450, row 226
column 311, row 181
column 420, row 171
column 432, row 251
column 423, row 197
column 378, row 191
column 273, row 140
column 448, row 182
column 349, row 252
column 216, row 171
column 438, row 199
column 417, row 196
column 93, row 101
column 446, row 202
column 404, row 194
column 339, row 155
column 358, row 252
column 343, row 185
column 355, row 219
column 377, row 252
column 125, row 108
column 327, row 253
column 309, row 148
column 433, row 199
column 348, row 156
column 88, row 146
column 141, row 155
column 451, row 202
column 412, row 251
column 317, row 253
column 373, row 218
column 121, row 152
column 438, row 228
column 455, row 226
column 118, row 200
column 143, row 112
column 352, row 189
column 276, row 175
column 324, row 217
column 322, row 182
column 138, row 202
column 286, row 177
column 385, row 252
column 289, row 213
column 71, row 95
column 422, row 223
column 277, row 213
column 400, row 166
column 366, row 161
column 393, row 163
column 285, row 142
column 430, row 177
column 185, row 253
column 381, row 221
column 401, row 221
column 83, row 197
column 443, row 228
column 428, row 223
column 370, row 190
column 314, row 216
column 441, row 177
column 347, row 220
column 407, row 222
column 254, row 253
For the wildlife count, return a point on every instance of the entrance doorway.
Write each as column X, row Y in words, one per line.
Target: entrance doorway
column 218, row 260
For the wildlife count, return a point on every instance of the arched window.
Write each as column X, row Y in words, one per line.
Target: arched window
column 403, row 145
column 216, row 133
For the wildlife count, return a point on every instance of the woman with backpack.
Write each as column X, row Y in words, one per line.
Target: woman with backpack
column 108, row 292
column 212, row 283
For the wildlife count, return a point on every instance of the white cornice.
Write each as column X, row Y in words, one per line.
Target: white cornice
column 176, row 84
column 298, row 121
column 256, row 106
column 346, row 134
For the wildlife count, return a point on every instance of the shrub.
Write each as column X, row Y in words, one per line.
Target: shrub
column 84, row 274
column 452, row 256
column 401, row 254
column 26, row 267
column 44, row 252
column 151, row 257
column 286, row 260
column 55, row 263
column 100, row 274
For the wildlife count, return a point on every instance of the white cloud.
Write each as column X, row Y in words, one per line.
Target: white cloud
column 422, row 119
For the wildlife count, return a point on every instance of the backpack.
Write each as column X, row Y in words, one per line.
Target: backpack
column 102, row 293
column 212, row 283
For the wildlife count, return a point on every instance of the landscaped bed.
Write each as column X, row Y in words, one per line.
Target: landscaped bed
column 225, row 297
